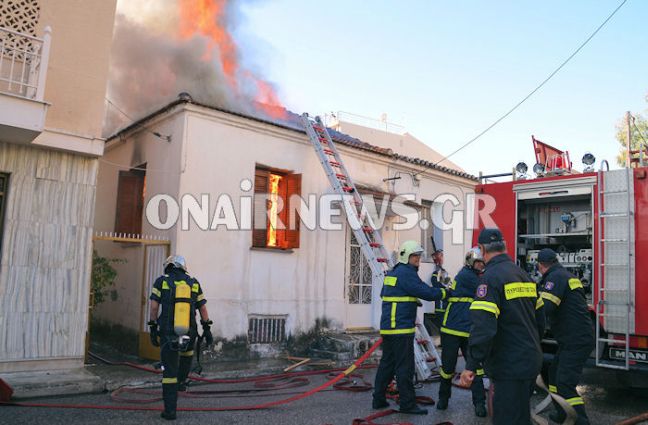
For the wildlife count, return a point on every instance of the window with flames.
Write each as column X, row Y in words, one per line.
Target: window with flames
column 276, row 221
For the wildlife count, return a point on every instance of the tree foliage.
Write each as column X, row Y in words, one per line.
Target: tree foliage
column 103, row 277
column 639, row 134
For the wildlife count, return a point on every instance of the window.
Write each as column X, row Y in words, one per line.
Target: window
column 359, row 283
column 275, row 226
column 4, row 183
column 130, row 201
column 428, row 211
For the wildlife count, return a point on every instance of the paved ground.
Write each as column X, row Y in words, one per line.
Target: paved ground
column 606, row 400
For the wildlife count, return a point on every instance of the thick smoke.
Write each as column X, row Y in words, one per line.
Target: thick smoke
column 150, row 64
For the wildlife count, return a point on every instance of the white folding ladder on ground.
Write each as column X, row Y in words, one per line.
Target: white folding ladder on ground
column 616, row 266
column 424, row 352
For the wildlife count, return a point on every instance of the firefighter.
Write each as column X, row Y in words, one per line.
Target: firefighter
column 455, row 331
column 400, row 294
column 440, row 279
column 175, row 330
column 507, row 323
column 571, row 326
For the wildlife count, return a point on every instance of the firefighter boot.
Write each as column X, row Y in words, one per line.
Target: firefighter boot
column 170, row 397
column 559, row 415
column 582, row 418
column 480, row 410
column 183, row 370
column 445, row 391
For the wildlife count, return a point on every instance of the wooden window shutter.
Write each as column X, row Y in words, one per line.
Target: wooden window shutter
column 260, row 216
column 292, row 222
column 130, row 202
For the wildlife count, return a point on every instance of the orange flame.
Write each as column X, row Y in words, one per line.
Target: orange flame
column 274, row 196
column 208, row 18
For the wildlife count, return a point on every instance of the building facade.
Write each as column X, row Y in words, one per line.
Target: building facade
column 53, row 74
column 259, row 286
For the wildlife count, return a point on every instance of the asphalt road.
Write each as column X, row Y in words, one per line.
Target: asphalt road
column 606, row 400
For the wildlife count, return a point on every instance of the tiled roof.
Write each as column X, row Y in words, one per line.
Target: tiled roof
column 293, row 122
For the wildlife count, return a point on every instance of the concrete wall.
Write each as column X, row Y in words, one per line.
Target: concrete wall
column 221, row 150
column 405, row 143
column 77, row 74
column 45, row 263
column 164, row 167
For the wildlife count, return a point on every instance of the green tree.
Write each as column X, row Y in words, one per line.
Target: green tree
column 103, row 277
column 639, row 132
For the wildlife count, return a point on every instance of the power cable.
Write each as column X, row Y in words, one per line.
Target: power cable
column 155, row 133
column 538, row 87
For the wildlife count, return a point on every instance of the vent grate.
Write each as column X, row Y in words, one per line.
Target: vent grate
column 264, row 329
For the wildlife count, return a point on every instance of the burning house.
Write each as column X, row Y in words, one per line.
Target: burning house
column 219, row 185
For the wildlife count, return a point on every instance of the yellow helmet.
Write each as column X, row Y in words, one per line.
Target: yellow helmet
column 408, row 248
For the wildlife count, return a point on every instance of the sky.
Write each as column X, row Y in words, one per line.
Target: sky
column 445, row 70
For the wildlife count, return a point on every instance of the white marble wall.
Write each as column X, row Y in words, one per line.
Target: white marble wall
column 46, row 256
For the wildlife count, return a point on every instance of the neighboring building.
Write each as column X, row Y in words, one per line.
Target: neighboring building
column 389, row 136
column 259, row 285
column 53, row 74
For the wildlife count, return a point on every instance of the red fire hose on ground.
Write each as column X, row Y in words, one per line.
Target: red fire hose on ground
column 339, row 381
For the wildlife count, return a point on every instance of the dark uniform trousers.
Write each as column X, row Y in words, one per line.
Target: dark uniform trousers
column 397, row 359
column 511, row 401
column 176, row 366
column 564, row 374
column 451, row 345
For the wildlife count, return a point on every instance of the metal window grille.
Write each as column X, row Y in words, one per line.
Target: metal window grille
column 267, row 329
column 359, row 275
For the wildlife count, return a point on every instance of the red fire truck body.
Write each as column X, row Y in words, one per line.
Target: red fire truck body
column 598, row 224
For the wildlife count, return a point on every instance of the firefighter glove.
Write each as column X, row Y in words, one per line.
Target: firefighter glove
column 154, row 333
column 207, row 335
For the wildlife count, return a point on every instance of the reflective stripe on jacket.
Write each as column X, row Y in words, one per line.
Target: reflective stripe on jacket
column 457, row 316
column 401, row 290
column 507, row 322
column 566, row 307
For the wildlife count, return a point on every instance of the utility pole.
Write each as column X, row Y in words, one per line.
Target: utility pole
column 629, row 137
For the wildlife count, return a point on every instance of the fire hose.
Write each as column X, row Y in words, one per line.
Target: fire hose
column 340, row 381
column 634, row 420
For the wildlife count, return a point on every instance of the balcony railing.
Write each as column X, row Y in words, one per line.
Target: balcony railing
column 23, row 63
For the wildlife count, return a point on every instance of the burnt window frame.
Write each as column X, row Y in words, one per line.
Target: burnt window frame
column 291, row 237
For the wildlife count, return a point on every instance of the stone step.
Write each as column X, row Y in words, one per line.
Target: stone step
column 42, row 384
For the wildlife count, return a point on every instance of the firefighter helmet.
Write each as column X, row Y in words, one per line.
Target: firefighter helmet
column 408, row 248
column 177, row 261
column 473, row 255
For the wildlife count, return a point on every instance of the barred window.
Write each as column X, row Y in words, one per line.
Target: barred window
column 359, row 273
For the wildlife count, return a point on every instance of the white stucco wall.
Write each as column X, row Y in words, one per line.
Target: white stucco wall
column 219, row 151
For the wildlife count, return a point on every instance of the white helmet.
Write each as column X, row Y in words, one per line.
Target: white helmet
column 474, row 254
column 177, row 261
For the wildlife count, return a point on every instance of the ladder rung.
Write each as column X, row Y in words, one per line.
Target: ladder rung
column 607, row 192
column 381, row 260
column 341, row 176
column 614, row 290
column 367, row 229
column 375, row 245
column 329, row 152
column 614, row 240
column 347, row 189
column 614, row 265
column 613, row 315
column 614, row 341
column 606, row 215
column 335, row 164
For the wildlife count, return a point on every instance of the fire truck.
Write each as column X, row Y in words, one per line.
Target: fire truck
column 597, row 222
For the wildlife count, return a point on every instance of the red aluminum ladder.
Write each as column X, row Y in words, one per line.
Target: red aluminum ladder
column 364, row 230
